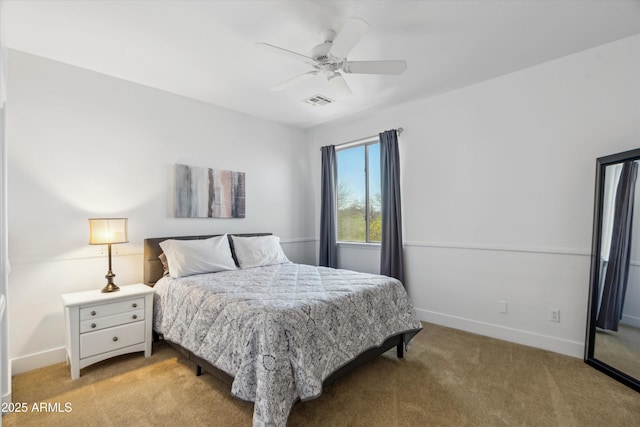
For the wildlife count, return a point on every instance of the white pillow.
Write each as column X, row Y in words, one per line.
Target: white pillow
column 187, row 257
column 258, row 251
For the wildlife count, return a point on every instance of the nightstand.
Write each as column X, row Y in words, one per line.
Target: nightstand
column 103, row 325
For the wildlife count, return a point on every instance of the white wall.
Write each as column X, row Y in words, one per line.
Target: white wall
column 498, row 183
column 82, row 144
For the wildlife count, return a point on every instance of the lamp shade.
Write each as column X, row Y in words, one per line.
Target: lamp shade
column 107, row 230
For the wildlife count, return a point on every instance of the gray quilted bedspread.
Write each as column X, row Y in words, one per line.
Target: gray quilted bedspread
column 281, row 330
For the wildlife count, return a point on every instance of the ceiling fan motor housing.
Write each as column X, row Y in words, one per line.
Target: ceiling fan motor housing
column 320, row 52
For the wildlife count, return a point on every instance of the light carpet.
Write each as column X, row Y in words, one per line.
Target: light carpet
column 448, row 378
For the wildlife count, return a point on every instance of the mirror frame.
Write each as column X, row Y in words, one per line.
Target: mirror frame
column 592, row 312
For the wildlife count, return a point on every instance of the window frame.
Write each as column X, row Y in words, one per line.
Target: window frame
column 366, row 143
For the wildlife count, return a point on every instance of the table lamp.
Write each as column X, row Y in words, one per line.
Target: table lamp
column 108, row 231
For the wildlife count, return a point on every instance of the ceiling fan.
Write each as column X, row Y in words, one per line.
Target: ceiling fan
column 329, row 59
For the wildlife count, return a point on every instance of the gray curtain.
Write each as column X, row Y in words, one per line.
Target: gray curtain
column 328, row 230
column 617, row 269
column 391, row 258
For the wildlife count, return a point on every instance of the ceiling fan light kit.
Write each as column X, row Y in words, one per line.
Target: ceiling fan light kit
column 329, row 58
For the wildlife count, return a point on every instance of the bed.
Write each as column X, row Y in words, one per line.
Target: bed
column 280, row 332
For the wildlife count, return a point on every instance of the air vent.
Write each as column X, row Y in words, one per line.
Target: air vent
column 318, row 100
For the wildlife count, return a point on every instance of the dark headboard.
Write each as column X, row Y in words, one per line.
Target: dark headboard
column 153, row 267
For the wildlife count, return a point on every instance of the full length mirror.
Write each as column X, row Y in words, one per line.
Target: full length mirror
column 613, row 334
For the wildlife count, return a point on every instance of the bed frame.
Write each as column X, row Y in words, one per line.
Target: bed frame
column 153, row 271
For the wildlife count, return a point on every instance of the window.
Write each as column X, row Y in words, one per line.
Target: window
column 359, row 193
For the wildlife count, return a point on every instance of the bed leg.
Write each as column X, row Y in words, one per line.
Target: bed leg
column 198, row 370
column 400, row 350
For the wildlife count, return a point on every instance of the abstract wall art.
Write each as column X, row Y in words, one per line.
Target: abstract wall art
column 209, row 193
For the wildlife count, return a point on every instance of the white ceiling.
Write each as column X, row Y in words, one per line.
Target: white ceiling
column 206, row 49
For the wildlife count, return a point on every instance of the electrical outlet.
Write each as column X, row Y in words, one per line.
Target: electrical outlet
column 502, row 307
column 554, row 315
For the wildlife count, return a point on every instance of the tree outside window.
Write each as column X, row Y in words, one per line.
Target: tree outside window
column 359, row 193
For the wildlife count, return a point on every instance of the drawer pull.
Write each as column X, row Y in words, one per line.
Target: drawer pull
column 93, row 325
column 93, row 313
column 135, row 305
column 135, row 316
column 115, row 339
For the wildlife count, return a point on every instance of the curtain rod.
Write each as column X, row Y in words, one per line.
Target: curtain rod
column 361, row 140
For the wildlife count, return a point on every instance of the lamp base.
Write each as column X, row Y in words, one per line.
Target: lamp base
column 111, row 287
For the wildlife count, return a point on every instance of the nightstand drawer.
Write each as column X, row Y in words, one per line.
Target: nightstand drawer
column 111, row 339
column 108, row 321
column 95, row 311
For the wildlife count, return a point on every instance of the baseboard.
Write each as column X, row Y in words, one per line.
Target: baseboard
column 631, row 320
column 545, row 342
column 6, row 399
column 38, row 360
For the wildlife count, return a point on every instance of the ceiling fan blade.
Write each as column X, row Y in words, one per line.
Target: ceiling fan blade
column 374, row 67
column 339, row 85
column 349, row 35
column 288, row 53
column 285, row 84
